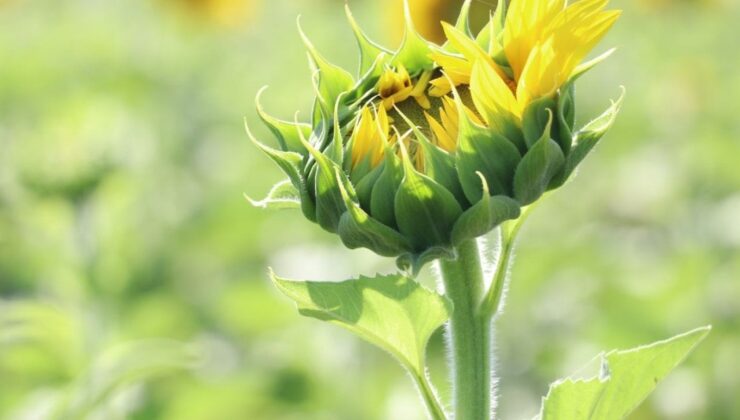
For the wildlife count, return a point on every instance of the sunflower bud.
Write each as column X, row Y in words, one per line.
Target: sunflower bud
column 430, row 146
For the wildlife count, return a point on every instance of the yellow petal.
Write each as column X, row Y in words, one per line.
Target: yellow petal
column 469, row 48
column 526, row 24
column 443, row 137
column 492, row 97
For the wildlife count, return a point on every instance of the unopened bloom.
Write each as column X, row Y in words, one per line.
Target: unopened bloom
column 430, row 146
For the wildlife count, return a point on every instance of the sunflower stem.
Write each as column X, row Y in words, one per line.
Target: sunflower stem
column 469, row 335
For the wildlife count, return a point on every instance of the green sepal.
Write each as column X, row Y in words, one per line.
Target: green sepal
column 392, row 312
column 283, row 195
column 497, row 41
column 499, row 19
column 366, row 185
column 537, row 118
column 358, row 230
column 586, row 139
column 335, row 149
column 484, row 216
column 359, row 171
column 480, row 149
column 537, row 168
column 438, row 163
column 290, row 163
column 462, row 24
column 384, row 193
column 626, row 378
column 463, row 19
column 585, row 67
column 440, row 166
column 332, row 80
column 415, row 52
column 486, row 37
column 365, row 87
column 508, row 127
column 287, row 133
column 425, row 211
column 566, row 118
column 369, row 50
column 329, row 202
column 414, row 262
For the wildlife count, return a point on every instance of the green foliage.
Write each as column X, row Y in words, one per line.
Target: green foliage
column 119, row 368
column 159, row 243
column 627, row 377
column 393, row 312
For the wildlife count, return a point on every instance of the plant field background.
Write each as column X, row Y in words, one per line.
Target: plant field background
column 133, row 272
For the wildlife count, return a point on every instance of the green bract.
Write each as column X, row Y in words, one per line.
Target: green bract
column 371, row 167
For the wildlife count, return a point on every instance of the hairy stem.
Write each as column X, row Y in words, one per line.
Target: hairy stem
column 436, row 412
column 470, row 334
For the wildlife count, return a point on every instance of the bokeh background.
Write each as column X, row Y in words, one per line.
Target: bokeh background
column 133, row 272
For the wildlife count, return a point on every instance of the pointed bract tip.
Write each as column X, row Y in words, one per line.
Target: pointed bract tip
column 484, row 184
column 258, row 99
column 253, row 202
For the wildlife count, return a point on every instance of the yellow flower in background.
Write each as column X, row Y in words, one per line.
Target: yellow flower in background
column 221, row 12
column 427, row 16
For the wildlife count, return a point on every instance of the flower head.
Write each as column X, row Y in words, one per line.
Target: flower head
column 430, row 146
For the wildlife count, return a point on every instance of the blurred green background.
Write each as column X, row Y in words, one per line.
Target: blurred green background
column 133, row 272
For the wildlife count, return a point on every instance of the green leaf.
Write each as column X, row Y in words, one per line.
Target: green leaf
column 538, row 167
column 425, row 211
column 484, row 216
column 393, row 312
column 587, row 138
column 414, row 53
column 122, row 366
column 283, row 195
column 627, row 378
